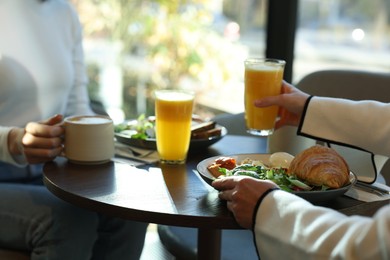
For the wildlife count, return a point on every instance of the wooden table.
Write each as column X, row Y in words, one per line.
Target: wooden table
column 163, row 194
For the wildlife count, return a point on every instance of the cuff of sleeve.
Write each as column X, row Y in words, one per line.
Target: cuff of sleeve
column 20, row 159
column 5, row 156
column 258, row 205
column 299, row 131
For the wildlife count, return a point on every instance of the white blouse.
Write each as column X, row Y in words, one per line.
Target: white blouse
column 288, row 227
column 42, row 70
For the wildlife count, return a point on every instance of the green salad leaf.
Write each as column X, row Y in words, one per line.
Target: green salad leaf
column 141, row 128
column 278, row 175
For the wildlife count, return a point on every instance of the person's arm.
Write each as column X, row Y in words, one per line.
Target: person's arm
column 288, row 227
column 361, row 124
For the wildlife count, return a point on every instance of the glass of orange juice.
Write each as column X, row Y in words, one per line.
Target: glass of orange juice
column 263, row 77
column 173, row 110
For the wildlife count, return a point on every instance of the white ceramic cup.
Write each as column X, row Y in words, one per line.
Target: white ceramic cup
column 89, row 139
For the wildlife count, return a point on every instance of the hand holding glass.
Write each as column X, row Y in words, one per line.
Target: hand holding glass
column 263, row 77
column 173, row 124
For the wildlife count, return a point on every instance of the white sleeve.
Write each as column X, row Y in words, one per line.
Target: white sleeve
column 288, row 227
column 362, row 124
column 5, row 156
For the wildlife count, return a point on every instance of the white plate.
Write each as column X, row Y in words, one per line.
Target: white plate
column 312, row 196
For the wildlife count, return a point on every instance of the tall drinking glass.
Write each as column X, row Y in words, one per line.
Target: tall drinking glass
column 263, row 77
column 173, row 124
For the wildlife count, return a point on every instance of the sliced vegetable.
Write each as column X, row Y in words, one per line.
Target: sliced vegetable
column 299, row 184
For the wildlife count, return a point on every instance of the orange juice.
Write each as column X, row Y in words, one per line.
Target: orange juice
column 173, row 124
column 263, row 77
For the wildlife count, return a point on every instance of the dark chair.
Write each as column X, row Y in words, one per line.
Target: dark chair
column 182, row 243
column 10, row 254
column 234, row 123
column 98, row 107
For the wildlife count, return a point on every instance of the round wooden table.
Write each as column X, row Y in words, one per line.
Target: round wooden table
column 164, row 194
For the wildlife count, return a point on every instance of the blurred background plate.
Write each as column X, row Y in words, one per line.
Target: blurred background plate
column 150, row 143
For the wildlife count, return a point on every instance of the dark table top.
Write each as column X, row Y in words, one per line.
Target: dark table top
column 164, row 194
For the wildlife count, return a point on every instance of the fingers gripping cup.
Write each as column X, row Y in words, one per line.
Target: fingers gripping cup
column 173, row 124
column 263, row 77
column 89, row 139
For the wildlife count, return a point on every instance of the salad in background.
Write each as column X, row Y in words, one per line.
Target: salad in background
column 140, row 128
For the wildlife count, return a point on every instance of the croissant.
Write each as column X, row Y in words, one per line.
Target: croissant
column 320, row 165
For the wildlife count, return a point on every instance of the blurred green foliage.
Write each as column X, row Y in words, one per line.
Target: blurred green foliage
column 174, row 39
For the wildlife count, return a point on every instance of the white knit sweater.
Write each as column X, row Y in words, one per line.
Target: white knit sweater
column 42, row 70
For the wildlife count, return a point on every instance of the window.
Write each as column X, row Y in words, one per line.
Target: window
column 342, row 34
column 135, row 46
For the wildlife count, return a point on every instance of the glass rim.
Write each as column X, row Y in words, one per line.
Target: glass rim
column 71, row 119
column 183, row 91
column 255, row 60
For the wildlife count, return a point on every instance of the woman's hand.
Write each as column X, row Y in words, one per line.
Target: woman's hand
column 39, row 141
column 242, row 194
column 291, row 103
